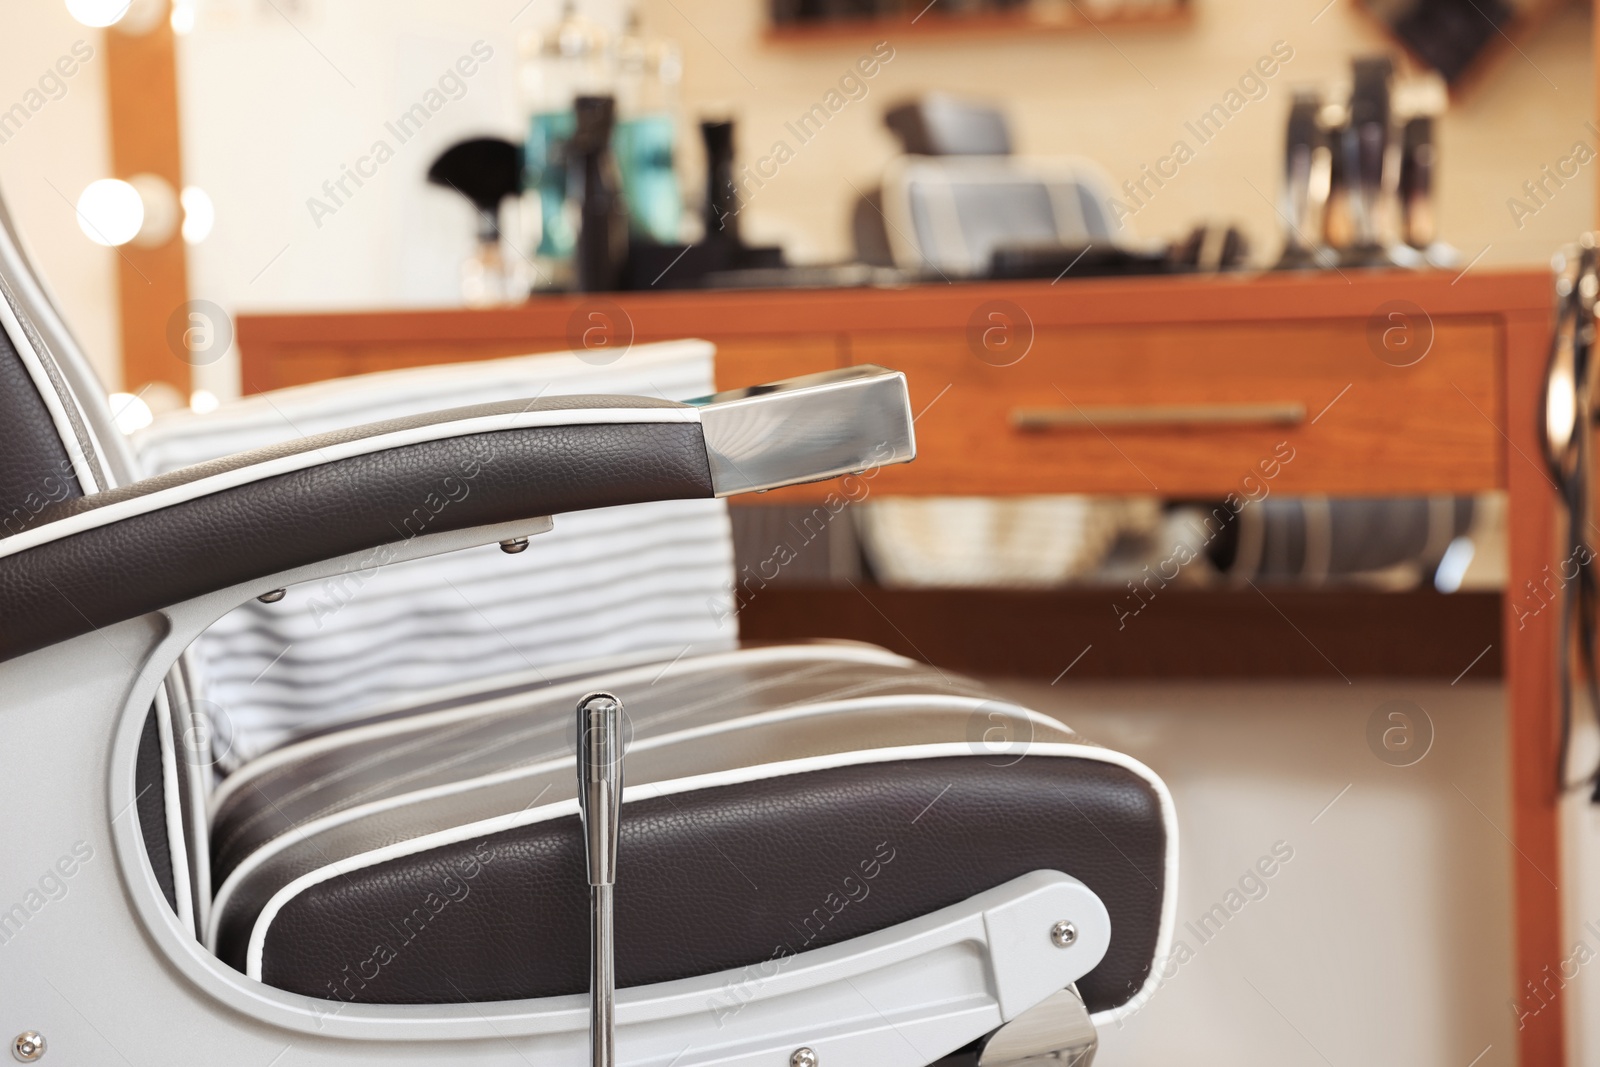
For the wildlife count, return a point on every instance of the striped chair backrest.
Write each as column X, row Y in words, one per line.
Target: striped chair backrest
column 614, row 582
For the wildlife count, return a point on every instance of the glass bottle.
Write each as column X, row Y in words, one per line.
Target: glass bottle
column 648, row 72
column 556, row 66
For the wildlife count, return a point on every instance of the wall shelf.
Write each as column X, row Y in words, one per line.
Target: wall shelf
column 1070, row 17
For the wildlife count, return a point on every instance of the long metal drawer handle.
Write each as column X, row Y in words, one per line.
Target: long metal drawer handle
column 1158, row 416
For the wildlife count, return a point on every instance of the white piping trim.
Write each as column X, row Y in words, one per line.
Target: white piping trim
column 297, row 751
column 738, row 776
column 200, row 775
column 107, row 473
column 178, row 494
column 115, row 457
column 917, row 701
column 171, row 802
column 88, row 478
column 33, row 301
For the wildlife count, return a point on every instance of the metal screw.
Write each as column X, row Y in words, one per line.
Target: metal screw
column 28, row 1046
column 511, row 548
column 1063, row 933
column 272, row 597
column 803, row 1057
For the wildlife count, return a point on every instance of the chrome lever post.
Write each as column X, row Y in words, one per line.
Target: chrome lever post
column 600, row 753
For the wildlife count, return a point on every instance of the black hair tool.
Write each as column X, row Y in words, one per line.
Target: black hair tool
column 594, row 183
column 1366, row 148
column 722, row 192
column 1307, row 176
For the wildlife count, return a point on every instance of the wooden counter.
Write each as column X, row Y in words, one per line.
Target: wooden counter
column 1307, row 343
column 1370, row 383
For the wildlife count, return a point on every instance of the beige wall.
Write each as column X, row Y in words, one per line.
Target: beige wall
column 1123, row 102
column 45, row 165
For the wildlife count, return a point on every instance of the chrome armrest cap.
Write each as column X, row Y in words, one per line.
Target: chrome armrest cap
column 807, row 429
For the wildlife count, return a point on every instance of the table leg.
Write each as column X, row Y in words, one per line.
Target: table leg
column 1530, row 665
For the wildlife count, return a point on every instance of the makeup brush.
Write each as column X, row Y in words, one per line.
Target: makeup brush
column 485, row 170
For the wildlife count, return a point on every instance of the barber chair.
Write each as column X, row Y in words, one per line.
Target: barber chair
column 803, row 854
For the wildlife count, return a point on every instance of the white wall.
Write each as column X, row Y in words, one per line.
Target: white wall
column 274, row 110
column 43, row 167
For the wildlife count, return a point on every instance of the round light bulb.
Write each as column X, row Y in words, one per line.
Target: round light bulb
column 1561, row 407
column 98, row 12
column 203, row 402
column 130, row 413
column 162, row 215
column 110, row 212
column 199, row 214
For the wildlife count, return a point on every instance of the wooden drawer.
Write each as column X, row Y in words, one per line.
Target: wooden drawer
column 1186, row 409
